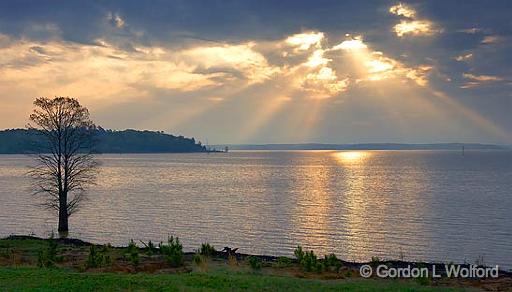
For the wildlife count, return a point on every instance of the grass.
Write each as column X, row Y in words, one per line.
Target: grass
column 23, row 245
column 30, row 278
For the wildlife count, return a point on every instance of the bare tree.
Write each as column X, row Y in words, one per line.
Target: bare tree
column 65, row 163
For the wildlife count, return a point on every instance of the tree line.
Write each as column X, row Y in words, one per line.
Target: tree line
column 25, row 141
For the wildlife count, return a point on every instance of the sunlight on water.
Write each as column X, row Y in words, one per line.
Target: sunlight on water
column 313, row 206
column 352, row 157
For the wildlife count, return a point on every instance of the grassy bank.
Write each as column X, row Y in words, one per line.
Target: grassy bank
column 30, row 278
column 73, row 265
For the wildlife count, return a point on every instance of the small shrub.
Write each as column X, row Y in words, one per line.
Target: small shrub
column 98, row 258
column 201, row 261
column 283, row 262
column 151, row 248
column 255, row 263
column 173, row 251
column 94, row 259
column 207, row 249
column 132, row 253
column 331, row 261
column 197, row 259
column 299, row 253
column 375, row 261
column 107, row 251
column 319, row 267
column 46, row 258
column 309, row 261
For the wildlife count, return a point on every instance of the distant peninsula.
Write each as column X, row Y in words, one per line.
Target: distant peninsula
column 19, row 141
column 366, row 146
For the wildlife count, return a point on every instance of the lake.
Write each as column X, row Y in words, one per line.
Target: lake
column 422, row 205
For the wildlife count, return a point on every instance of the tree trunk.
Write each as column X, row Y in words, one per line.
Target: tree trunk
column 63, row 213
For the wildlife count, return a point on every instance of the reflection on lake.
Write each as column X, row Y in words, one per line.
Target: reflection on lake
column 430, row 205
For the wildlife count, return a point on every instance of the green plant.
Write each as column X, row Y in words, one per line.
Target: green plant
column 173, row 251
column 319, row 267
column 309, row 261
column 207, row 249
column 107, row 251
column 132, row 253
column 94, row 259
column 46, row 258
column 255, row 263
column 99, row 258
column 151, row 248
column 299, row 253
column 375, row 261
column 197, row 259
column 201, row 261
column 283, row 262
column 331, row 261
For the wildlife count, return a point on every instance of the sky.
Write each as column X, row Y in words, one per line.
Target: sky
column 267, row 71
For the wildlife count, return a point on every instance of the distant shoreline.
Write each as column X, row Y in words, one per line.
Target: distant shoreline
column 24, row 141
column 366, row 146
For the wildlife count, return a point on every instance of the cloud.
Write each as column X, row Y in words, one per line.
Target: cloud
column 402, row 10
column 304, row 41
column 306, row 70
column 472, row 30
column 105, row 71
column 492, row 39
column 381, row 67
column 482, row 78
column 412, row 26
column 419, row 74
column 370, row 65
column 301, row 65
column 115, row 19
column 99, row 72
column 464, row 57
column 479, row 80
column 351, row 44
column 318, row 76
column 317, row 59
column 252, row 65
column 324, row 83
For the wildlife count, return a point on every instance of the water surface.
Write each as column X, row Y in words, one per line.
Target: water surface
column 426, row 205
